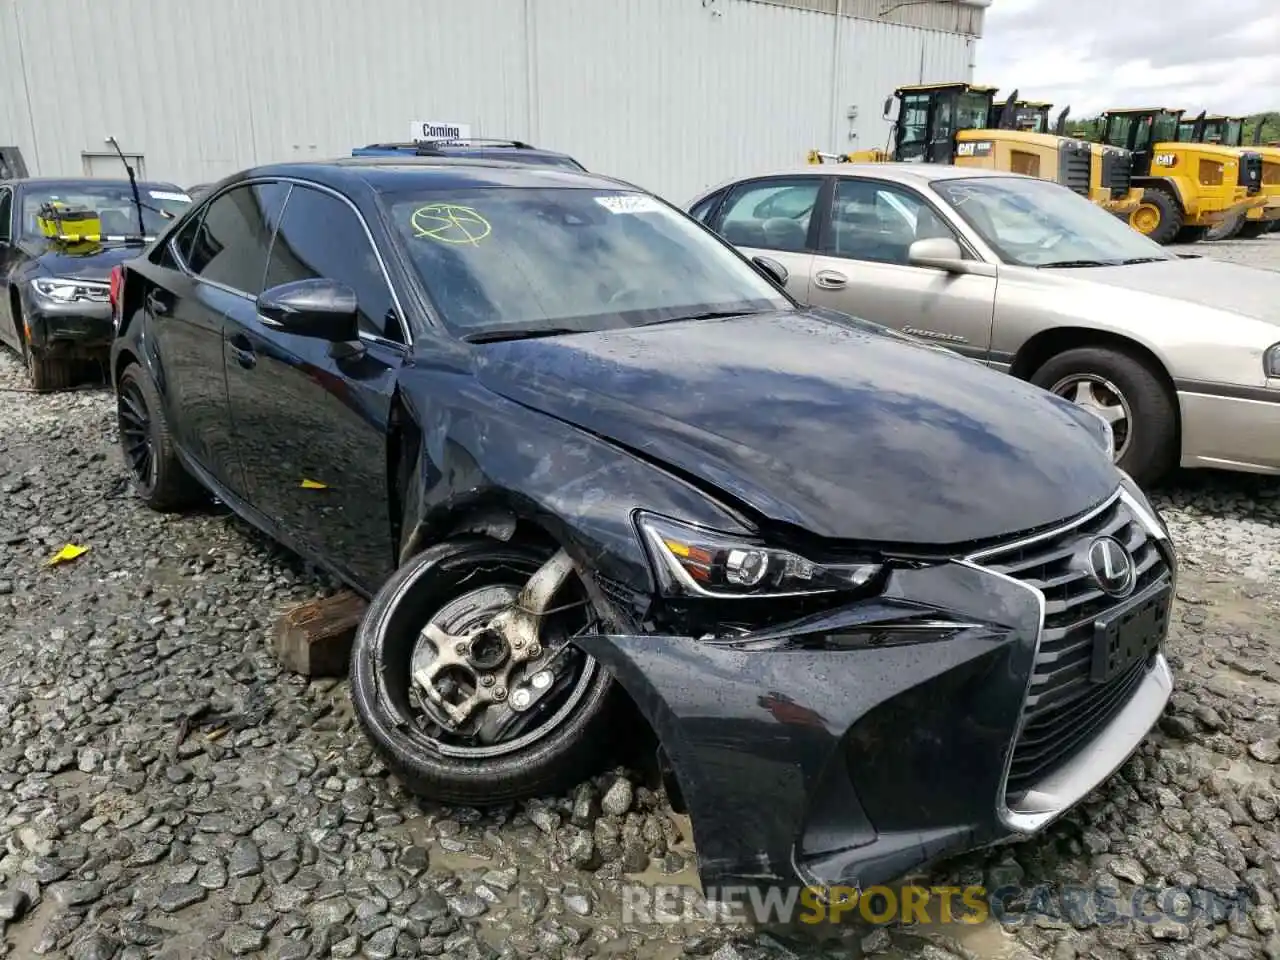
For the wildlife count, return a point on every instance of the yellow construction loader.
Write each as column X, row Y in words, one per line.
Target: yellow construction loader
column 961, row 124
column 1187, row 187
column 1229, row 132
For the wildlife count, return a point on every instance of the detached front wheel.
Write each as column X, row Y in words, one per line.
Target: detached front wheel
column 464, row 713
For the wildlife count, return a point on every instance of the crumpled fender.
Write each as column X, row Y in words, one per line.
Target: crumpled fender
column 753, row 728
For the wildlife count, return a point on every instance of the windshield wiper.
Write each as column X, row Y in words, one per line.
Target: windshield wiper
column 709, row 315
column 1079, row 263
column 1145, row 260
column 517, row 333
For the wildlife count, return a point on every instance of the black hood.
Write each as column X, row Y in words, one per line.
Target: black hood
column 94, row 263
column 831, row 426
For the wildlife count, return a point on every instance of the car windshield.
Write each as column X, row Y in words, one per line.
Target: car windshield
column 113, row 204
column 524, row 261
column 1037, row 223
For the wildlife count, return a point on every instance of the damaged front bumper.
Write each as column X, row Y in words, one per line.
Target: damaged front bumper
column 971, row 703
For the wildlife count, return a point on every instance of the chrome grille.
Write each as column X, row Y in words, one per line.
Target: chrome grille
column 1064, row 708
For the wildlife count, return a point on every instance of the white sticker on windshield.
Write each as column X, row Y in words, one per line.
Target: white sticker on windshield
column 162, row 195
column 629, row 203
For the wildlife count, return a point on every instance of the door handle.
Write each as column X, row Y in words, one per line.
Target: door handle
column 156, row 304
column 242, row 349
column 830, row 279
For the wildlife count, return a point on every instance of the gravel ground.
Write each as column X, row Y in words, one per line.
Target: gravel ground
column 264, row 827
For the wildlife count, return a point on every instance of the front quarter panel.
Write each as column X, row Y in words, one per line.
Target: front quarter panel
column 1191, row 341
column 480, row 451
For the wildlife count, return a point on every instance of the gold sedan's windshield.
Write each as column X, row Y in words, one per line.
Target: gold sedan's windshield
column 1035, row 223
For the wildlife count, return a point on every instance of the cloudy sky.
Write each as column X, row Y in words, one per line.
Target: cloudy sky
column 1216, row 55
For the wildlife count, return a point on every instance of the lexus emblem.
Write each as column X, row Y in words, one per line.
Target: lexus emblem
column 1111, row 566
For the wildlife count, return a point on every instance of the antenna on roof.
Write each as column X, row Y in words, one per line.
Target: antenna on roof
column 133, row 185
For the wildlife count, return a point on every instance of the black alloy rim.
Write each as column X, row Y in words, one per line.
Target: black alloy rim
column 135, row 434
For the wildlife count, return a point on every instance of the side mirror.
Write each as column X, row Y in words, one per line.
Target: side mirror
column 943, row 253
column 322, row 309
column 772, row 270
column 888, row 108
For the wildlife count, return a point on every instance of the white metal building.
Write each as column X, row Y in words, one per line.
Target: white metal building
column 671, row 94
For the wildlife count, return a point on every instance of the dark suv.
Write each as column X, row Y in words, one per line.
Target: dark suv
column 879, row 603
column 512, row 151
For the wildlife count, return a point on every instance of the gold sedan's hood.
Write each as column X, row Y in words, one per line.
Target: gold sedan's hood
column 1248, row 291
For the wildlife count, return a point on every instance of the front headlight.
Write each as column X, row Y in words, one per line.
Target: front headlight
column 694, row 561
column 1271, row 361
column 65, row 290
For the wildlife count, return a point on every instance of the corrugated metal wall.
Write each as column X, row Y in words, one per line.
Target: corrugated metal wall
column 673, row 94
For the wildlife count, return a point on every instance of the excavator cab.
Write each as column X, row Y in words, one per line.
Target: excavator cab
column 1188, row 187
column 931, row 115
column 1228, row 131
column 1032, row 116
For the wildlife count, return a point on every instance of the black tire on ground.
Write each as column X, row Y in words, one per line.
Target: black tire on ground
column 1170, row 213
column 47, row 374
column 166, row 486
column 1254, row 229
column 380, row 663
column 1153, row 444
column 1191, row 235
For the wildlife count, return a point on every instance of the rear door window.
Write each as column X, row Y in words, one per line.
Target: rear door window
column 771, row 214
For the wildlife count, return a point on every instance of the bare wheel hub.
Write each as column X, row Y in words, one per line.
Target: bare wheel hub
column 488, row 670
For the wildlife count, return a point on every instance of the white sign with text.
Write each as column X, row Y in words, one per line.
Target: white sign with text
column 423, row 130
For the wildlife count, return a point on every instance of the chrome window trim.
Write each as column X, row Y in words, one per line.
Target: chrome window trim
column 209, row 200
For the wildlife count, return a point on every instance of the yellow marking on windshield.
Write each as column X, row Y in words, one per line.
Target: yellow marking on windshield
column 450, row 223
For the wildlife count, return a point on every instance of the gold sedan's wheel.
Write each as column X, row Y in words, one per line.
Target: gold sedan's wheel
column 1146, row 219
column 1102, row 398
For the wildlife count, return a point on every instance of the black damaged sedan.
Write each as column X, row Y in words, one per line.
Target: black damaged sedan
column 878, row 604
column 54, row 297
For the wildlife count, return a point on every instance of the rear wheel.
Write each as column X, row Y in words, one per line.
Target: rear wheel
column 159, row 476
column 461, row 714
column 1158, row 216
column 1254, row 229
column 1129, row 395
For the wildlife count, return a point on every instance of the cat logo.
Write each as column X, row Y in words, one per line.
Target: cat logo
column 1165, row 160
column 974, row 149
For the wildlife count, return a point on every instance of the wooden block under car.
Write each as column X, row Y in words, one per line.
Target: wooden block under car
column 314, row 638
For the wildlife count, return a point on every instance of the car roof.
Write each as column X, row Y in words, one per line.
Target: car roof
column 900, row 172
column 394, row 174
